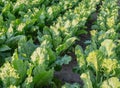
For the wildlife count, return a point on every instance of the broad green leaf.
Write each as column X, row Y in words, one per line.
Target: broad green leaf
column 41, row 76
column 25, row 48
column 4, row 48
column 86, row 79
column 57, row 40
column 13, row 41
column 2, row 38
column 63, row 60
column 74, row 85
column 52, row 55
column 20, row 66
column 65, row 45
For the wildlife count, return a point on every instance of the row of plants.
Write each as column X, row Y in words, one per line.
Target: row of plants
column 24, row 18
column 31, row 65
column 99, row 64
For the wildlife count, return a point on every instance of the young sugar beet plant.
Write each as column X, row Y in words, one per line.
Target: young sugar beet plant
column 99, row 63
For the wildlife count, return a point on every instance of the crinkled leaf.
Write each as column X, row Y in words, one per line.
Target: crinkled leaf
column 8, row 75
column 112, row 82
column 43, row 55
column 80, row 56
column 109, row 45
column 38, row 56
column 28, row 83
column 109, row 66
column 94, row 60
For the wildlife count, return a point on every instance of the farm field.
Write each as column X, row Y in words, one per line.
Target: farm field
column 59, row 43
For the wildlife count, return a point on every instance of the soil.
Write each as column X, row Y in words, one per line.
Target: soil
column 67, row 74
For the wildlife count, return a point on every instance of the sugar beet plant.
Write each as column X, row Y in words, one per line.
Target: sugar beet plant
column 99, row 63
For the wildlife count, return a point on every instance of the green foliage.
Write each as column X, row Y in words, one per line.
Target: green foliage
column 67, row 85
column 35, row 37
column 42, row 76
column 112, row 82
column 63, row 60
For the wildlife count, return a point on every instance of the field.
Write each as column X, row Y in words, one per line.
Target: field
column 59, row 44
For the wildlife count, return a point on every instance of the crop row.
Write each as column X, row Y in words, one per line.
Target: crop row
column 99, row 63
column 26, row 18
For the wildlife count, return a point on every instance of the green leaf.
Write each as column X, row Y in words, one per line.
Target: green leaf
column 63, row 60
column 8, row 75
column 20, row 67
column 13, row 86
column 109, row 45
column 74, row 85
column 28, row 83
column 6, row 8
column 86, row 79
column 13, row 41
column 94, row 60
column 79, row 32
column 10, row 31
column 2, row 38
column 109, row 66
column 44, row 53
column 65, row 45
column 80, row 57
column 4, row 48
column 38, row 56
column 25, row 48
column 52, row 55
column 112, row 82
column 42, row 76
